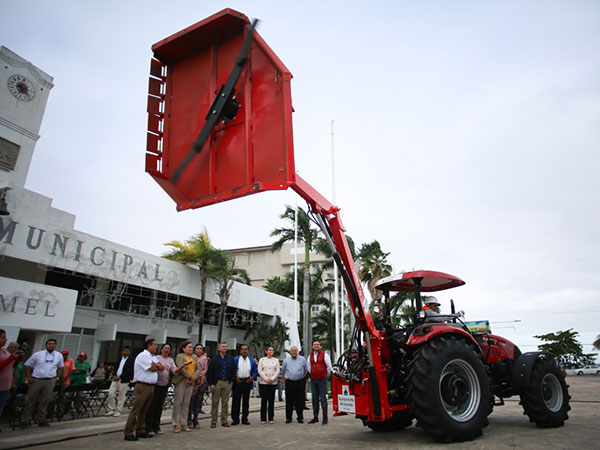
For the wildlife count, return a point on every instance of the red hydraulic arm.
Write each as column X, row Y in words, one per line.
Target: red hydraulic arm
column 331, row 225
column 220, row 127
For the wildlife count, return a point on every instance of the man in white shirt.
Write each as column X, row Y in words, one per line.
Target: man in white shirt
column 120, row 384
column 145, row 375
column 42, row 370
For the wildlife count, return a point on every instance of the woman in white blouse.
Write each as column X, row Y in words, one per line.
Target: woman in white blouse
column 268, row 371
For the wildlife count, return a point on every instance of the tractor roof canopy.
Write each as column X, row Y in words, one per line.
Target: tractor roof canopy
column 431, row 281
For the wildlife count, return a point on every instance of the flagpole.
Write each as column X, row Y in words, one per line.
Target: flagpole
column 296, row 305
column 336, row 293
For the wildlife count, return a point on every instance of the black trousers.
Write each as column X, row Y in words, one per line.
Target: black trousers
column 294, row 398
column 156, row 408
column 240, row 396
column 267, row 401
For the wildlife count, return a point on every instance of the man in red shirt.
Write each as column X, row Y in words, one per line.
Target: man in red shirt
column 319, row 367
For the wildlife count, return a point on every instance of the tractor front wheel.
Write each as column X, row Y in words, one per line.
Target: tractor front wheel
column 546, row 400
column 450, row 394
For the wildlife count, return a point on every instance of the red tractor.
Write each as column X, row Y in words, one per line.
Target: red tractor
column 438, row 372
column 219, row 128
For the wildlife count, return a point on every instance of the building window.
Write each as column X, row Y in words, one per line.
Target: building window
column 76, row 281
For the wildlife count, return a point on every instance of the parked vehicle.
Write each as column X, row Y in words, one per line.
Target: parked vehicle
column 592, row 369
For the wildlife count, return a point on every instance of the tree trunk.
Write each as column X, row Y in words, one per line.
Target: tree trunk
column 203, row 282
column 306, row 328
column 221, row 320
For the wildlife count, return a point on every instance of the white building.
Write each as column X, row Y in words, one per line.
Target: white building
column 92, row 295
column 262, row 263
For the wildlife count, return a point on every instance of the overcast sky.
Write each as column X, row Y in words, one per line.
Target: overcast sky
column 466, row 136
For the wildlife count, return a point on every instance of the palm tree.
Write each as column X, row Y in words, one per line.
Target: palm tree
column 322, row 246
column 281, row 286
column 284, row 286
column 263, row 334
column 597, row 342
column 402, row 309
column 373, row 267
column 308, row 235
column 222, row 269
column 321, row 327
column 196, row 252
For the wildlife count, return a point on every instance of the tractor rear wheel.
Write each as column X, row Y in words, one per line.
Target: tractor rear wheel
column 546, row 400
column 400, row 420
column 449, row 390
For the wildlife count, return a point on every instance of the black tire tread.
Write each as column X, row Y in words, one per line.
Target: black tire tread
column 423, row 396
column 533, row 403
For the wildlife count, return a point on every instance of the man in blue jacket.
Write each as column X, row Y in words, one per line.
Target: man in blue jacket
column 220, row 376
column 246, row 373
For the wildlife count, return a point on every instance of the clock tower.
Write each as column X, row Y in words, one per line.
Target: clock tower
column 24, row 92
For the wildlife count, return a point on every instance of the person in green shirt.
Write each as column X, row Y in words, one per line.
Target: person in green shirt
column 82, row 368
column 18, row 375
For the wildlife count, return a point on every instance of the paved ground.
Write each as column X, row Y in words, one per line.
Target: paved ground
column 508, row 429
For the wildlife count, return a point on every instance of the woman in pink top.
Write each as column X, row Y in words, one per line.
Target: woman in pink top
column 160, row 390
column 199, row 388
column 268, row 370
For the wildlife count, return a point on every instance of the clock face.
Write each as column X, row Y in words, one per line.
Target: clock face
column 21, row 88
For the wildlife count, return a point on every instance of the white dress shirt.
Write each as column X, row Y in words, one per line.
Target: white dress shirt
column 243, row 368
column 141, row 368
column 45, row 364
column 121, row 365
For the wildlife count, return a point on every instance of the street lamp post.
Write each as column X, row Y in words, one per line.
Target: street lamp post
column 330, row 282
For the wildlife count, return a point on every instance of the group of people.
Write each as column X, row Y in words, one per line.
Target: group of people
column 41, row 372
column 225, row 376
column 192, row 374
column 77, row 372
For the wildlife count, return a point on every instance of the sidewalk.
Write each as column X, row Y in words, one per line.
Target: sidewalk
column 93, row 426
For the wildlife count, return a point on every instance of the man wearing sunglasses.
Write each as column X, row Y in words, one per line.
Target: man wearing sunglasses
column 42, row 370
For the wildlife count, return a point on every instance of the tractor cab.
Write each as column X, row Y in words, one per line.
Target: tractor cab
column 417, row 282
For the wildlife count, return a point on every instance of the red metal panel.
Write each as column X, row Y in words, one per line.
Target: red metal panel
column 154, row 104
column 156, row 68
column 152, row 144
column 363, row 395
column 154, row 123
column 496, row 348
column 251, row 153
column 152, row 162
column 441, row 329
column 154, row 86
